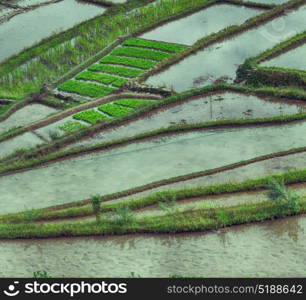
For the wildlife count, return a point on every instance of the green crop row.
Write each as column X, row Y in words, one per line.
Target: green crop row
column 71, row 126
column 115, row 110
column 103, row 78
column 141, row 53
column 128, row 61
column 85, row 88
column 119, row 82
column 133, row 103
column 90, row 116
column 121, row 71
column 137, row 42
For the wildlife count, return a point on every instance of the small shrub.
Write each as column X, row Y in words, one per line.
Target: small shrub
column 123, row 216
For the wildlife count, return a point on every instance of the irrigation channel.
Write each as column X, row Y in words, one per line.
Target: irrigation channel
column 145, row 114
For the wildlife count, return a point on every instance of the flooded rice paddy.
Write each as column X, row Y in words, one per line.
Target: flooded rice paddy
column 221, row 106
column 270, row 249
column 141, row 163
column 221, row 60
column 23, row 31
column 196, row 26
column 289, row 59
column 26, row 115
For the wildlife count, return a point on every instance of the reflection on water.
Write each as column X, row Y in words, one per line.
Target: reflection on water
column 271, row 249
column 220, row 61
column 24, row 30
column 293, row 59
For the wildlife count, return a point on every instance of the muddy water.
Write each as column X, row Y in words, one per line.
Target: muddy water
column 294, row 59
column 190, row 29
column 208, row 108
column 26, row 115
column 141, row 163
column 252, row 171
column 23, row 30
column 270, row 249
column 221, row 60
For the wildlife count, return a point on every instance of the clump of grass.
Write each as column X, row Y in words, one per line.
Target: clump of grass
column 71, row 126
column 129, row 61
column 282, row 196
column 137, row 42
column 123, row 215
column 41, row 274
column 90, row 116
column 54, row 135
column 115, row 110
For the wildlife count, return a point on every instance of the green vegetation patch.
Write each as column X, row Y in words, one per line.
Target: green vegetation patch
column 141, row 53
column 71, row 126
column 129, row 61
column 137, row 42
column 119, row 82
column 90, row 116
column 121, row 71
column 115, row 110
column 103, row 78
column 85, row 88
column 133, row 103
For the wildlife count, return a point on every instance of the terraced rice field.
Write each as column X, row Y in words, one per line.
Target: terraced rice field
column 166, row 121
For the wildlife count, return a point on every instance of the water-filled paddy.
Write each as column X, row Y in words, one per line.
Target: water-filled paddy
column 289, row 59
column 23, row 30
column 144, row 162
column 271, row 249
column 221, row 60
column 191, row 28
column 26, row 115
column 259, row 169
column 26, row 140
column 223, row 106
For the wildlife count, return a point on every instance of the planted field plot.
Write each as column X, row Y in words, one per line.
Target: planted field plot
column 83, row 119
column 222, row 106
column 221, row 60
column 114, row 70
column 293, row 59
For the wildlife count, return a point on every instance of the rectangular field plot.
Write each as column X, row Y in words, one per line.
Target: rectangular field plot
column 191, row 28
column 90, row 116
column 116, row 70
column 133, row 103
column 141, row 53
column 115, row 110
column 102, row 78
column 293, row 59
column 128, row 61
column 157, row 45
column 85, row 88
